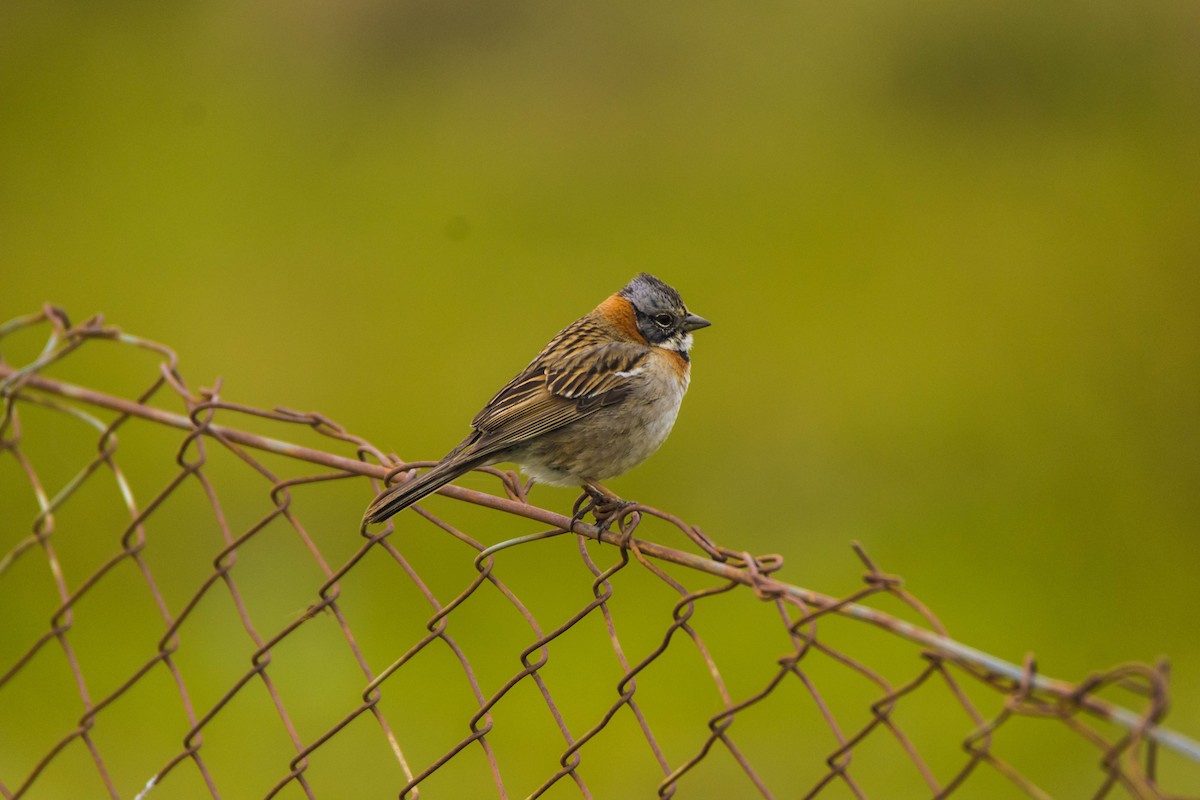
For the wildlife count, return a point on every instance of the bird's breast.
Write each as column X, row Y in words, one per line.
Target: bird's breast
column 614, row 439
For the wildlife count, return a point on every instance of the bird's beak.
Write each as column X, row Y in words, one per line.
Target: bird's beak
column 692, row 322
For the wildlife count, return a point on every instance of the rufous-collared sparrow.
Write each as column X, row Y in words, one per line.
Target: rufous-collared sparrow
column 597, row 401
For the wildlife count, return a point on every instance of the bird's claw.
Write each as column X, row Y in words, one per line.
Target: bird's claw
column 605, row 507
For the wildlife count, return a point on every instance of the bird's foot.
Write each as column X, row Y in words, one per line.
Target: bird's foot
column 605, row 506
column 610, row 510
column 583, row 506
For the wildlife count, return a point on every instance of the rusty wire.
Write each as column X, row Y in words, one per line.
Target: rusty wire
column 1126, row 745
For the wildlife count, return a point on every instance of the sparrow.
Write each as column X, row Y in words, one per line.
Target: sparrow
column 598, row 400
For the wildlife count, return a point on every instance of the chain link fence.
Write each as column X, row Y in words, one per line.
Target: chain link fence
column 190, row 609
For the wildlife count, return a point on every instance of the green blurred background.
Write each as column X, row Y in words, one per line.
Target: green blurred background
column 949, row 250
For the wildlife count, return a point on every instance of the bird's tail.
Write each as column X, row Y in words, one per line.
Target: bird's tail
column 403, row 495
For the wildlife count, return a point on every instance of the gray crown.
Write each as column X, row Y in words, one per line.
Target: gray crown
column 648, row 294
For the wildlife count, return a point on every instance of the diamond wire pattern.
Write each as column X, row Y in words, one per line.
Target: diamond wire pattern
column 1125, row 745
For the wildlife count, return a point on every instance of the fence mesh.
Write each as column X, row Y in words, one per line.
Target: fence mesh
column 173, row 628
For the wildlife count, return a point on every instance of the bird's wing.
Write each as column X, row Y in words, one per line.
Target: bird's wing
column 551, row 393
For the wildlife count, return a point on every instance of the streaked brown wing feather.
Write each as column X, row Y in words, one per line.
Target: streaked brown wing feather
column 553, row 392
column 597, row 371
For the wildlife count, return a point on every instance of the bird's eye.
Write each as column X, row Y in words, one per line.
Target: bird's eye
column 663, row 320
